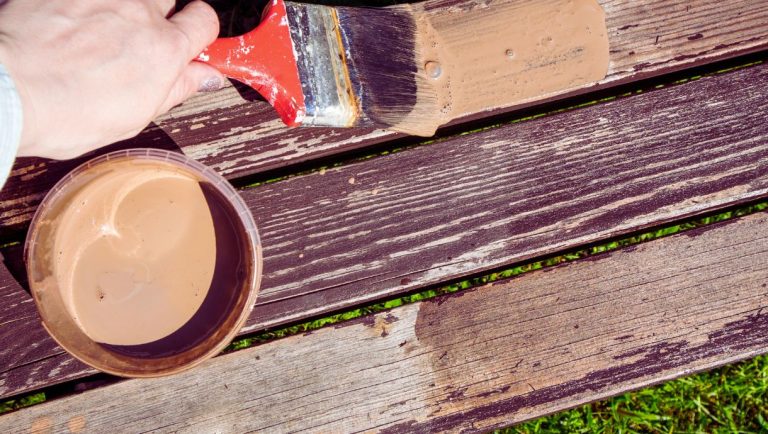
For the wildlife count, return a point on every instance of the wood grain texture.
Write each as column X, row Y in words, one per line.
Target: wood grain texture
column 237, row 134
column 388, row 225
column 25, row 345
column 472, row 203
column 477, row 360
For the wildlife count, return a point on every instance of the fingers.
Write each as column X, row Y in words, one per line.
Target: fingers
column 165, row 6
column 199, row 23
column 196, row 77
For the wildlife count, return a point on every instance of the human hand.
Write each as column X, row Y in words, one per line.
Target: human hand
column 92, row 72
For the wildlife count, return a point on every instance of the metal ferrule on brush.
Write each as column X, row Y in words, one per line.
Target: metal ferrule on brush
column 329, row 98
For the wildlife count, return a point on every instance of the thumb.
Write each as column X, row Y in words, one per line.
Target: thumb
column 196, row 77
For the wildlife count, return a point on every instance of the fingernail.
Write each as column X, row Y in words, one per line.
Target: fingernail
column 210, row 84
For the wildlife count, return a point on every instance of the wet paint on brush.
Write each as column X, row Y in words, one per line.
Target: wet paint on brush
column 409, row 69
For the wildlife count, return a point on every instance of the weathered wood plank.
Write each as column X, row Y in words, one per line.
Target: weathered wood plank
column 24, row 343
column 481, row 359
column 465, row 205
column 240, row 135
column 393, row 224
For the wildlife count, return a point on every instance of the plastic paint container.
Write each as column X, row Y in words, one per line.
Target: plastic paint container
column 143, row 262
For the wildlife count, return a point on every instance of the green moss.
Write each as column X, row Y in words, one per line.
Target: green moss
column 26, row 401
column 9, row 244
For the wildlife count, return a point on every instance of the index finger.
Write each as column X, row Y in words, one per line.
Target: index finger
column 199, row 23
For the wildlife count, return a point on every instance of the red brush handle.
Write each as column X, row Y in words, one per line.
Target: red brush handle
column 263, row 59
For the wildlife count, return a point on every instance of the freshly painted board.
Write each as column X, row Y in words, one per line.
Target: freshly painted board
column 387, row 225
column 240, row 135
column 473, row 361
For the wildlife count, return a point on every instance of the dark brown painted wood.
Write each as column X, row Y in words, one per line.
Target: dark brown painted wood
column 238, row 135
column 387, row 225
column 25, row 346
column 477, row 360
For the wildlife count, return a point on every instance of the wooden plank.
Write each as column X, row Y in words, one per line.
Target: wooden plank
column 478, row 360
column 237, row 134
column 24, row 343
column 397, row 223
column 472, row 203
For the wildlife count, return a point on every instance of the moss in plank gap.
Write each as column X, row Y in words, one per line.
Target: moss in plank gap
column 430, row 141
column 737, row 67
column 25, row 401
column 9, row 244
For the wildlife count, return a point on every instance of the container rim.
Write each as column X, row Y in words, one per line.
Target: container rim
column 204, row 173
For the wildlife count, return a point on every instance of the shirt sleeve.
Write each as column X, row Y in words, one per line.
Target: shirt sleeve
column 11, row 122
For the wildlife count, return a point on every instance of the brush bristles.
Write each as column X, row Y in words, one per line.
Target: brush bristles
column 382, row 55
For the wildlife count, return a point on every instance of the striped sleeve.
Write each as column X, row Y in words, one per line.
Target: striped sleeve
column 10, row 124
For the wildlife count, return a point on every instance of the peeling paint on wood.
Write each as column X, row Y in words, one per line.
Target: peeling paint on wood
column 480, row 201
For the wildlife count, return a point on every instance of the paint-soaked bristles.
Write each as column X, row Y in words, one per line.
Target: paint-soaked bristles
column 360, row 67
column 382, row 55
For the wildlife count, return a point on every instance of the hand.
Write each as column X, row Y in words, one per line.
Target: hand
column 92, row 72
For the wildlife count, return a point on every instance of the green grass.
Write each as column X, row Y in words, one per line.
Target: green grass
column 731, row 399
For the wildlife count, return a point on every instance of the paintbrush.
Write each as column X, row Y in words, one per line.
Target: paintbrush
column 333, row 66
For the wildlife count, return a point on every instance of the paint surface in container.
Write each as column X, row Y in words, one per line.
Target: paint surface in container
column 147, row 257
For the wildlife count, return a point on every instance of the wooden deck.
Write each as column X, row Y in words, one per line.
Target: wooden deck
column 360, row 216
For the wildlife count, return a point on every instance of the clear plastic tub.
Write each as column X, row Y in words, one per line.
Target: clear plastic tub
column 119, row 255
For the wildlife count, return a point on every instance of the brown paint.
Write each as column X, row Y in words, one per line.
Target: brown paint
column 494, row 366
column 487, row 55
column 143, row 263
column 76, row 424
column 42, row 425
column 135, row 252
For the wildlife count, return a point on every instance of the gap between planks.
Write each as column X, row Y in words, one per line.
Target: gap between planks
column 411, row 219
column 239, row 137
column 469, row 362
